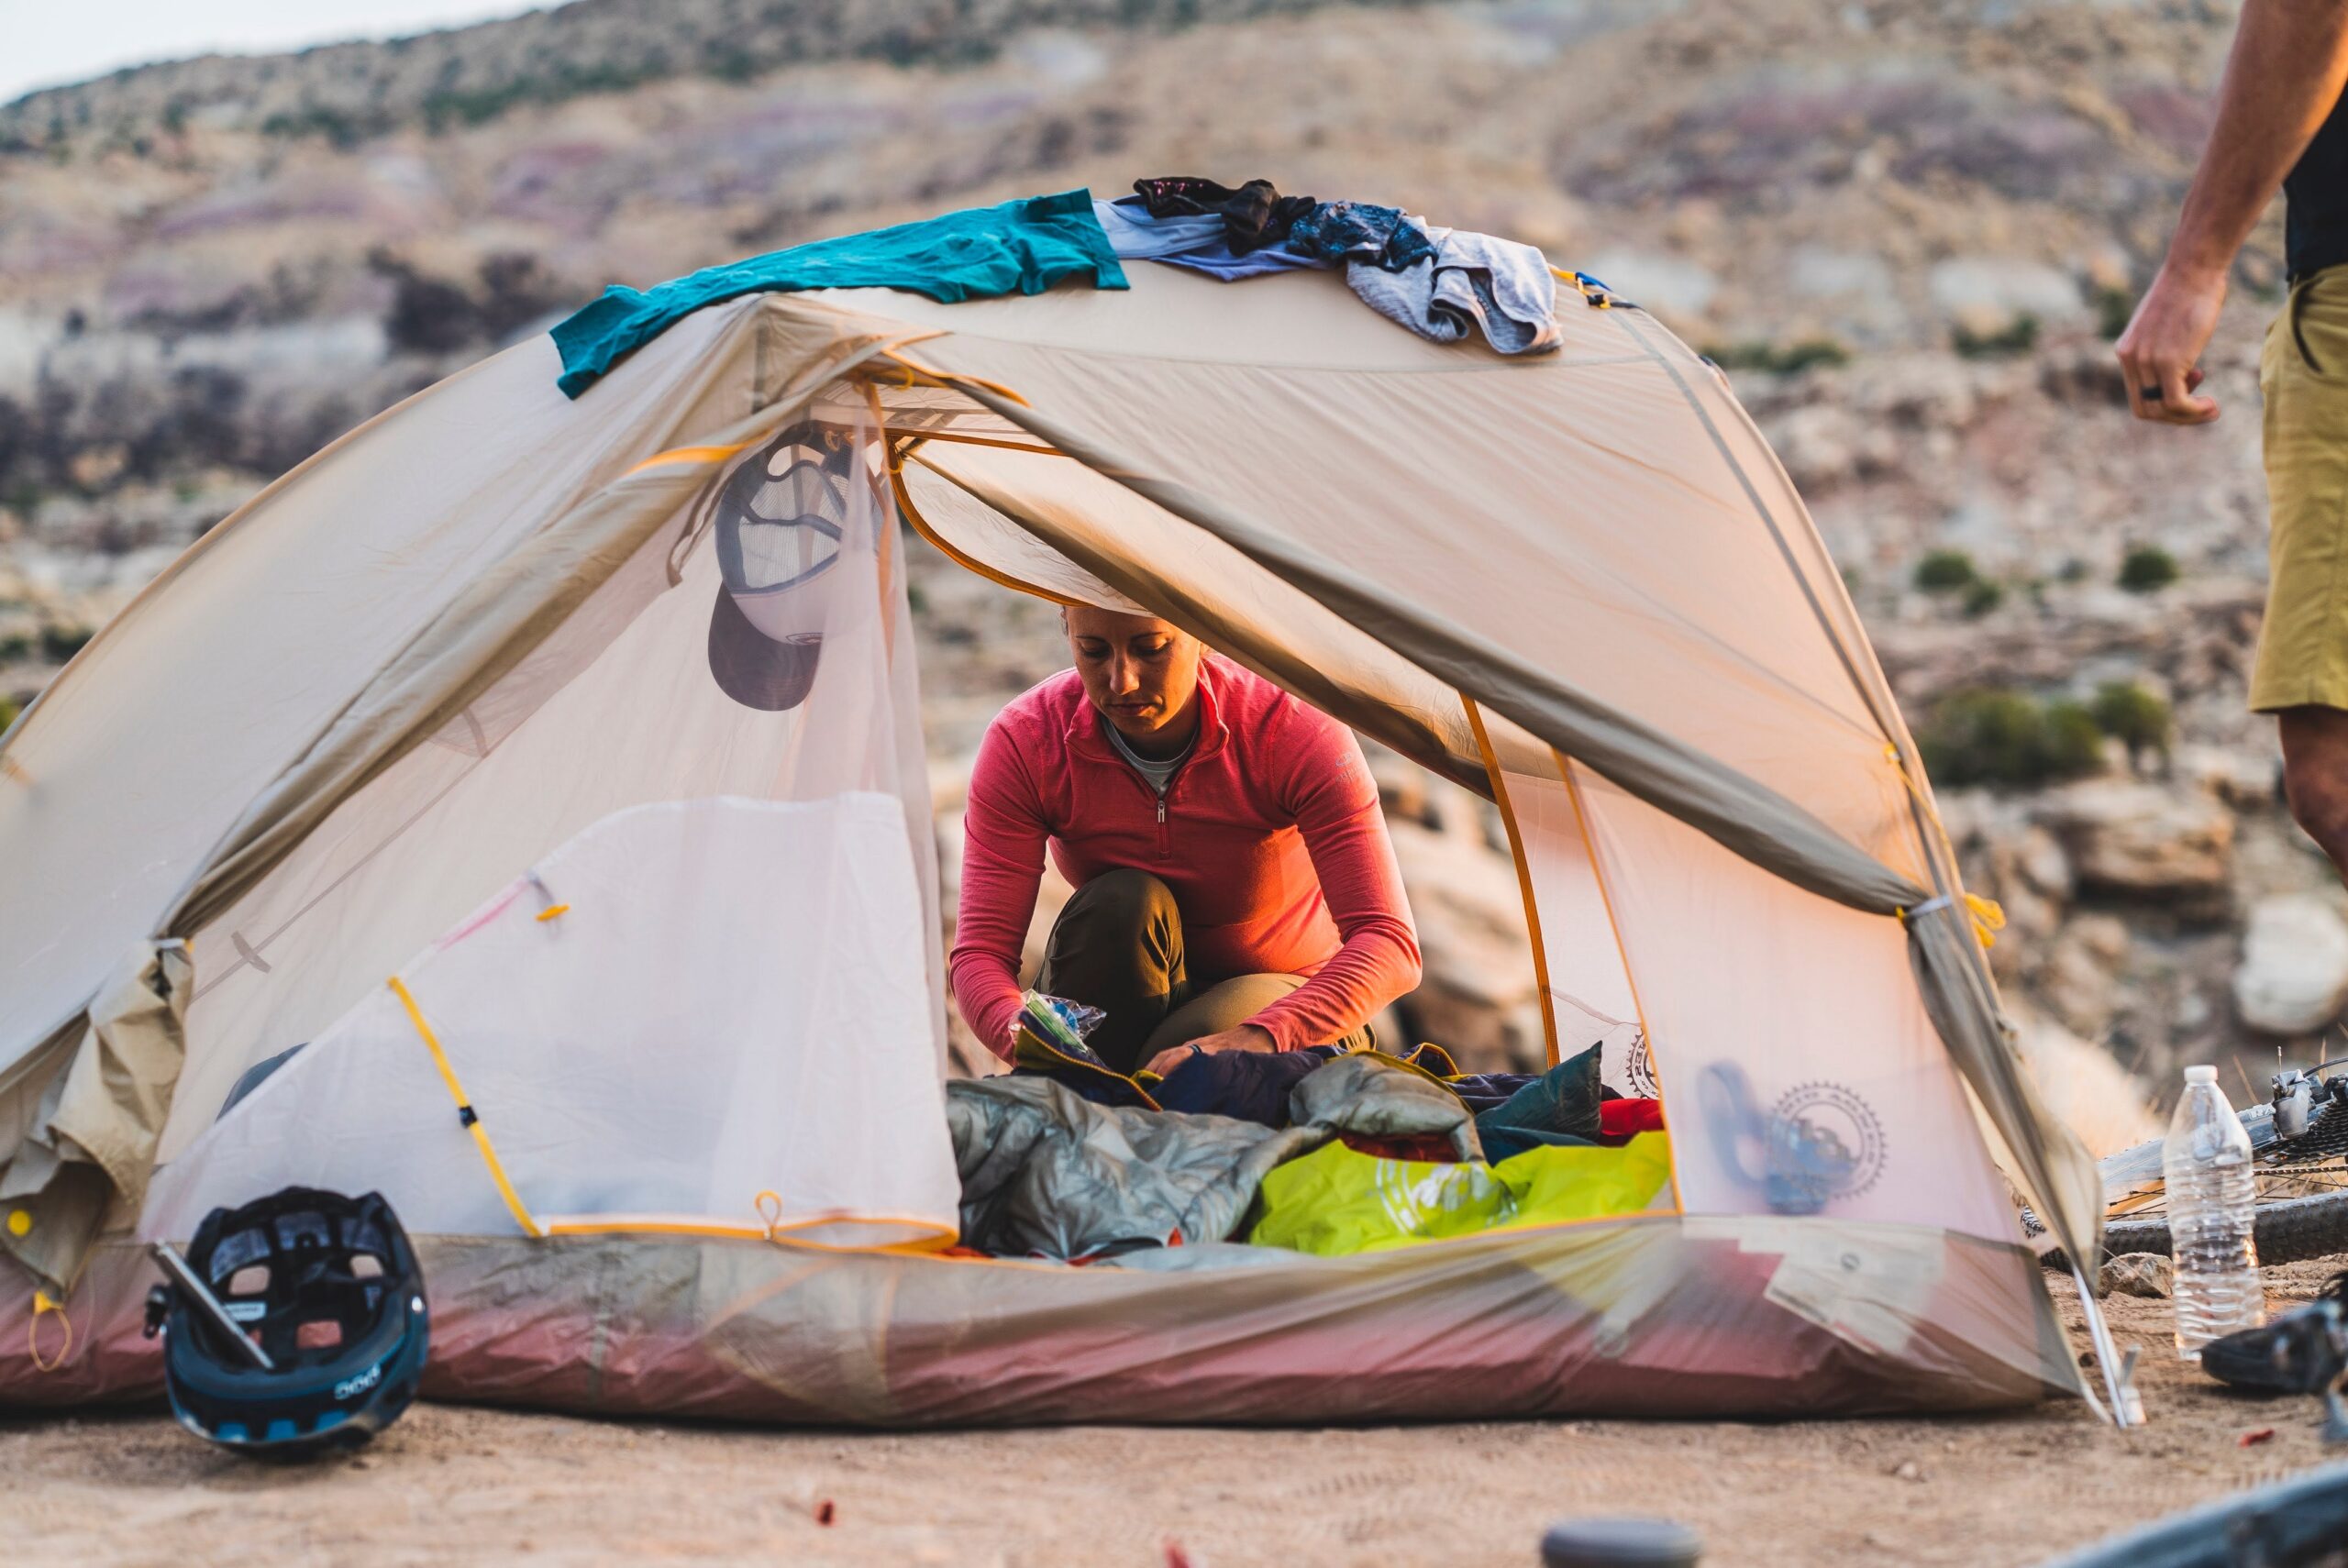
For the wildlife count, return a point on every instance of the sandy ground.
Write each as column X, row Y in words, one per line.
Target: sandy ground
column 451, row 1484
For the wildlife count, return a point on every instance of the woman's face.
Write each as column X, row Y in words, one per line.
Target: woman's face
column 1139, row 671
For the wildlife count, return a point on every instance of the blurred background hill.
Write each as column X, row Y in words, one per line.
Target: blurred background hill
column 1908, row 228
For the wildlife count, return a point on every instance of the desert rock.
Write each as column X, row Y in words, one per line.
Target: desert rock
column 2293, row 973
column 2142, row 839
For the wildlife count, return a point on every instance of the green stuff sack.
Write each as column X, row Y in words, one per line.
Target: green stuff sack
column 1335, row 1201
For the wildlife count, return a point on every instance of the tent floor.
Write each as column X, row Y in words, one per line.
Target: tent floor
column 453, row 1484
column 1645, row 1315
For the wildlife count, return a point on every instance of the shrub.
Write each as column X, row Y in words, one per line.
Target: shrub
column 1945, row 571
column 1776, row 361
column 2018, row 335
column 1992, row 735
column 316, row 120
column 7, row 715
column 1981, row 596
column 2132, row 715
column 2147, row 568
column 59, row 643
column 2114, row 308
column 2074, row 741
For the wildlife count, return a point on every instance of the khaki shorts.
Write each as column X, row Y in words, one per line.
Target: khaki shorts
column 2303, row 377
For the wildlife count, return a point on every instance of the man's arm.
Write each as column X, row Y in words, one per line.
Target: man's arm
column 2285, row 73
column 1003, row 864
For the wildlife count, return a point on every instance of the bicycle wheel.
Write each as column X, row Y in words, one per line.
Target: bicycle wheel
column 2303, row 1190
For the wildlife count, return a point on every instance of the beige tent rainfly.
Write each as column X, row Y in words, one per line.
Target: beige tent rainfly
column 438, row 761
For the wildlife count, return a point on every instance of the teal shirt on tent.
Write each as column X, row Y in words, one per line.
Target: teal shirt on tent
column 1023, row 247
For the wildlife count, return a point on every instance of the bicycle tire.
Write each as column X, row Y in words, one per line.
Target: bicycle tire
column 2295, row 1523
column 2290, row 1230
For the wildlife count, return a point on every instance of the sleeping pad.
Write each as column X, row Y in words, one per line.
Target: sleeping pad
column 1336, row 1201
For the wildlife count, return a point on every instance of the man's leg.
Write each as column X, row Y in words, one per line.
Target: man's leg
column 1227, row 1006
column 1117, row 945
column 2315, row 775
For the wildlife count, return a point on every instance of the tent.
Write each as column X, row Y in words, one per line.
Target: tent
column 611, row 949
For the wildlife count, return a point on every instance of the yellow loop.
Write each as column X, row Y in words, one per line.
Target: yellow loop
column 20, row 1221
column 769, row 1208
column 43, row 1302
column 1988, row 917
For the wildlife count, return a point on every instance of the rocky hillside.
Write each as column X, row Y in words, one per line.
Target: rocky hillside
column 1907, row 227
column 350, row 92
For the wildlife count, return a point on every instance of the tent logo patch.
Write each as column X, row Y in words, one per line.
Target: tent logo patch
column 1638, row 1069
column 1826, row 1142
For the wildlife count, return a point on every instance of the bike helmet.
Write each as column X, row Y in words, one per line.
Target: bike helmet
column 328, row 1288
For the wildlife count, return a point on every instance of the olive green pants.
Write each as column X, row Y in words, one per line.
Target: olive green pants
column 1117, row 945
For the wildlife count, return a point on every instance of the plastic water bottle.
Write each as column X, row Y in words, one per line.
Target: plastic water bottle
column 2206, row 1166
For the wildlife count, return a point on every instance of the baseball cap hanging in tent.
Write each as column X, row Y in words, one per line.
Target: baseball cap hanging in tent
column 777, row 526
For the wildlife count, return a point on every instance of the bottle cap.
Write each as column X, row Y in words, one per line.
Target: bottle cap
column 2200, row 1075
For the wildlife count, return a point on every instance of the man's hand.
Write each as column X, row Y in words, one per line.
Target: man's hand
column 2164, row 340
column 1246, row 1037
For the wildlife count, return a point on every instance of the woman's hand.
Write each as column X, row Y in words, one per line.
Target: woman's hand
column 1246, row 1037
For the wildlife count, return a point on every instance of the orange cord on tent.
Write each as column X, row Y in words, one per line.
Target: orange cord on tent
column 948, row 378
column 1523, row 871
column 1988, row 915
column 44, row 1302
column 465, row 1113
column 1598, row 299
column 19, row 1222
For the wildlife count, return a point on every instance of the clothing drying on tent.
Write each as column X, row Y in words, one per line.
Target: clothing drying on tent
column 545, row 760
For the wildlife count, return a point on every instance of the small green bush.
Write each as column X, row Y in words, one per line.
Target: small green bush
column 1785, row 361
column 2147, row 568
column 7, row 715
column 1992, row 735
column 2018, row 335
column 1981, row 596
column 2114, row 306
column 2135, row 716
column 59, row 643
column 337, row 128
column 2074, row 741
column 1945, row 571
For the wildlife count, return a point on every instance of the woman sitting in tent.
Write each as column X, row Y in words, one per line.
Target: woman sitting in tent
column 1235, row 889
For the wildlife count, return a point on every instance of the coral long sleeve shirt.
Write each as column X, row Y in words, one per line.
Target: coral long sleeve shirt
column 1269, row 837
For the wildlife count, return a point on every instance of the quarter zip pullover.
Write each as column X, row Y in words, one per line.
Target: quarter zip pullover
column 1281, row 864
